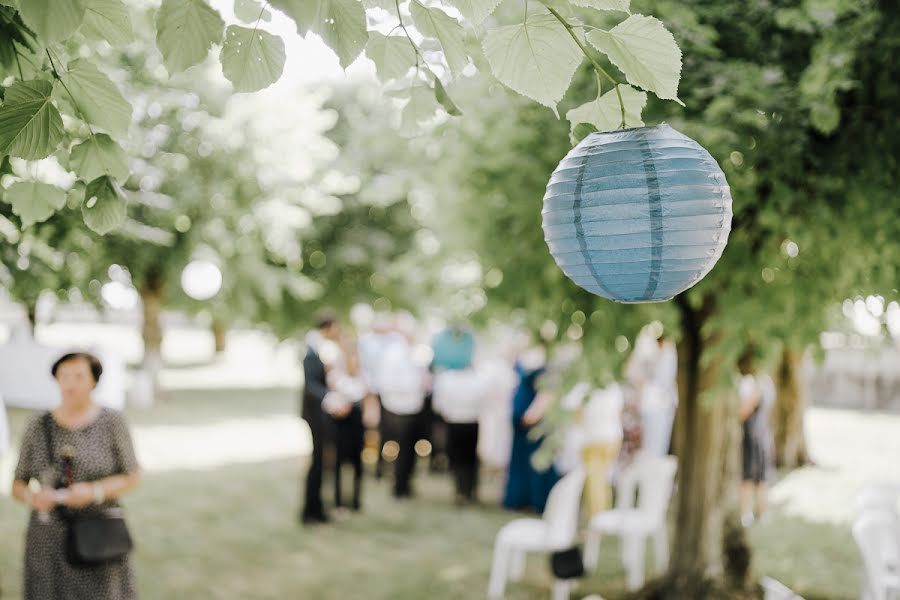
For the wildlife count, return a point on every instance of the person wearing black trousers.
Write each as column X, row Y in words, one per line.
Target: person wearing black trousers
column 349, row 437
column 402, row 385
column 344, row 379
column 315, row 394
column 458, row 398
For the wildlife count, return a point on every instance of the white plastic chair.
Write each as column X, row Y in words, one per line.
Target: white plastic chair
column 556, row 530
column 775, row 590
column 877, row 535
column 653, row 479
column 877, row 496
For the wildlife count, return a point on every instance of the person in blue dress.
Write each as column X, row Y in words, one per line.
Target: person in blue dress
column 526, row 487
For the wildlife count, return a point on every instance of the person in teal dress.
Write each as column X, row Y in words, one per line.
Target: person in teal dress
column 526, row 487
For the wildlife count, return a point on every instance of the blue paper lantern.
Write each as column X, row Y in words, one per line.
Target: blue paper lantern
column 637, row 215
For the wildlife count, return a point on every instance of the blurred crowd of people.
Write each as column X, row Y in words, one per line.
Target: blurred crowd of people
column 384, row 390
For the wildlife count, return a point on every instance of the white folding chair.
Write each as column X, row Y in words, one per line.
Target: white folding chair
column 879, row 496
column 775, row 590
column 653, row 479
column 556, row 530
column 877, row 535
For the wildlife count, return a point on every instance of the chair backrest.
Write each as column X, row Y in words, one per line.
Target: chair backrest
column 563, row 508
column 652, row 479
column 775, row 590
column 877, row 535
column 878, row 496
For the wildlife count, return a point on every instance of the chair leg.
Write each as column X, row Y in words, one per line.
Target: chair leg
column 661, row 547
column 633, row 548
column 591, row 550
column 517, row 565
column 561, row 589
column 499, row 571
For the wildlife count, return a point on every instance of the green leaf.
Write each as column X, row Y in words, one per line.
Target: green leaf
column 605, row 113
column 564, row 7
column 388, row 5
column 340, row 23
column 52, row 20
column 252, row 59
column 97, row 98
column 98, row 156
column 18, row 47
column 33, row 201
column 104, row 205
column 185, row 31
column 644, row 50
column 251, row 11
column 433, row 22
column 618, row 5
column 579, row 132
column 393, row 55
column 476, row 10
column 441, row 95
column 420, row 108
column 30, row 126
column 108, row 20
column 536, row 59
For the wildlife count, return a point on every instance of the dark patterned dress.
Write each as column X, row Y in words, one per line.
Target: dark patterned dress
column 101, row 449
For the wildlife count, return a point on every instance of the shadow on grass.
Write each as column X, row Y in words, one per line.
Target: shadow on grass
column 231, row 533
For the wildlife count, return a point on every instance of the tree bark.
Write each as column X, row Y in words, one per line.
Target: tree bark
column 151, row 300
column 790, row 407
column 31, row 312
column 710, row 554
column 220, row 332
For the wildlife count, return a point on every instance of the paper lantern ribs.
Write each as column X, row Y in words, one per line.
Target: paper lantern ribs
column 637, row 215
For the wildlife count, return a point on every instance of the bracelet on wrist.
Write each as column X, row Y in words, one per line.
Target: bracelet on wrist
column 99, row 495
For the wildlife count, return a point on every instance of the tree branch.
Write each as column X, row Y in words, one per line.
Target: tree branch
column 596, row 65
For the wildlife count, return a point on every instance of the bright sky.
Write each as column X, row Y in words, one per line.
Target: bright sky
column 308, row 60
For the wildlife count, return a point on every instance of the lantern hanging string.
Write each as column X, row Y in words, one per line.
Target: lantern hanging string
column 597, row 68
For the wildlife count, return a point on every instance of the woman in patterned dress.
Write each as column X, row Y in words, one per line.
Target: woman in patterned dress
column 89, row 447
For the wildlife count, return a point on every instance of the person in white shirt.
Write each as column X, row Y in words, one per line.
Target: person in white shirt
column 495, row 424
column 659, row 398
column 458, row 398
column 371, row 347
column 601, row 419
column 4, row 429
column 402, row 383
column 343, row 378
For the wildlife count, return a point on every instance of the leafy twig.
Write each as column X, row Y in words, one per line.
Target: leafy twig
column 413, row 44
column 594, row 62
column 19, row 64
column 65, row 87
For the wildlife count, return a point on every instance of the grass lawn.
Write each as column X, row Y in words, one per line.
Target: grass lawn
column 229, row 532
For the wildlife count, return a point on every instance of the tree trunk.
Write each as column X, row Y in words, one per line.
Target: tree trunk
column 710, row 555
column 31, row 311
column 790, row 406
column 148, row 382
column 220, row 332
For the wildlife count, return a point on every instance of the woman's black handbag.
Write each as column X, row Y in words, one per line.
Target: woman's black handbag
column 567, row 564
column 92, row 538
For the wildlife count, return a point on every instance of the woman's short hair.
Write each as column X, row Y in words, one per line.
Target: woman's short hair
column 325, row 320
column 93, row 361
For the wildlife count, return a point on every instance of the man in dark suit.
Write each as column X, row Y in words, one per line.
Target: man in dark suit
column 314, row 395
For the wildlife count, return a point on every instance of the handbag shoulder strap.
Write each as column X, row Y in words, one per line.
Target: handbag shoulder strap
column 47, row 422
